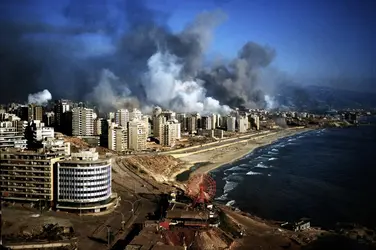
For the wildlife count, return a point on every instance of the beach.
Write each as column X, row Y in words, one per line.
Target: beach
column 210, row 160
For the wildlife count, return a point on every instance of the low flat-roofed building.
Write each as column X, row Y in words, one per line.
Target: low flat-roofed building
column 84, row 183
column 27, row 176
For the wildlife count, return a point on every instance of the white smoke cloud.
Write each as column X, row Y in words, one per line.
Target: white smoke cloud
column 164, row 87
column 270, row 102
column 40, row 98
column 109, row 98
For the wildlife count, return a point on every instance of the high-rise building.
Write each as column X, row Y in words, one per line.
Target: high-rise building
column 231, row 122
column 103, row 138
column 206, row 122
column 214, row 121
column 192, row 124
column 170, row 133
column 98, row 126
column 158, row 122
column 49, row 119
column 63, row 116
column 117, row 138
column 243, row 124
column 137, row 135
column 82, row 121
column 61, row 106
column 84, row 183
column 122, row 117
column 23, row 113
column 145, row 119
column 35, row 112
column 182, row 119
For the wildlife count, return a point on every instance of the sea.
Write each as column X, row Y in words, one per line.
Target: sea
column 327, row 175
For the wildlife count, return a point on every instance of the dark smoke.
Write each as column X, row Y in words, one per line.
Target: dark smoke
column 122, row 54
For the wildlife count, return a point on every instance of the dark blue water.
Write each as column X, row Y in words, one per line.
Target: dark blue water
column 327, row 175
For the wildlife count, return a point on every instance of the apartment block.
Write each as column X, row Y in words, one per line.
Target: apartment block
column 122, row 117
column 27, row 175
column 11, row 137
column 158, row 122
column 192, row 124
column 243, row 124
column 35, row 112
column 170, row 133
column 117, row 138
column 231, row 122
column 137, row 135
column 82, row 121
column 84, row 183
column 206, row 122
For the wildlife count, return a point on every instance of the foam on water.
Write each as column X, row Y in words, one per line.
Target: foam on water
column 230, row 203
column 230, row 185
column 253, row 173
column 272, row 159
column 261, row 165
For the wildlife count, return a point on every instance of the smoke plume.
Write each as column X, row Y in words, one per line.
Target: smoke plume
column 122, row 54
column 40, row 98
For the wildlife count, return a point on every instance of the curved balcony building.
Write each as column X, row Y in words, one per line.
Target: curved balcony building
column 84, row 183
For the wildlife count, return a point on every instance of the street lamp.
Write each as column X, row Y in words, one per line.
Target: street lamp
column 108, row 235
column 132, row 203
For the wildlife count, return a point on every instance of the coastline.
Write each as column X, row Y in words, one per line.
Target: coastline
column 219, row 157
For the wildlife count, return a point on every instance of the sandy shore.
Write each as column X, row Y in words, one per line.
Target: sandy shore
column 222, row 156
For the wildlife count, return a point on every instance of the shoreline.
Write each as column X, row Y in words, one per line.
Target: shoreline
column 220, row 157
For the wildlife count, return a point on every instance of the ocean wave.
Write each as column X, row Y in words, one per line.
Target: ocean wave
column 229, row 186
column 235, row 177
column 275, row 150
column 234, row 168
column 230, row 203
column 272, row 159
column 223, row 197
column 272, row 153
column 260, row 165
column 253, row 173
column 292, row 139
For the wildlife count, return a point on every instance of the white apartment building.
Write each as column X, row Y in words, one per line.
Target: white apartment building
column 98, row 126
column 182, row 119
column 231, row 122
column 37, row 132
column 214, row 121
column 170, row 133
column 158, row 122
column 58, row 146
column 84, row 183
column 117, row 138
column 122, row 117
column 206, row 122
column 243, row 124
column 192, row 124
column 11, row 137
column 82, row 121
column 137, row 135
